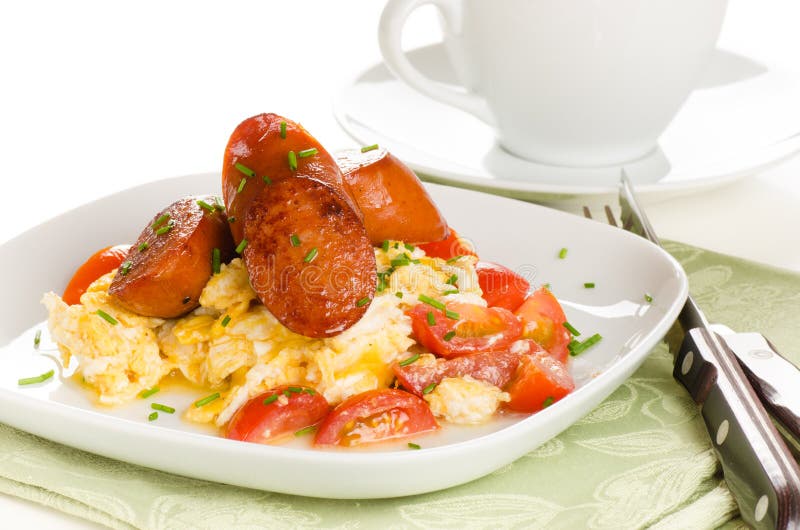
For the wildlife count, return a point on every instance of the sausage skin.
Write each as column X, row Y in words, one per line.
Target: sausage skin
column 391, row 198
column 260, row 149
column 165, row 278
column 308, row 256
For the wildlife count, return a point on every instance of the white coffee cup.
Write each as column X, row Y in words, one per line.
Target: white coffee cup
column 566, row 82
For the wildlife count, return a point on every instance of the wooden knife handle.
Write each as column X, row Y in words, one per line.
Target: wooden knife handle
column 759, row 470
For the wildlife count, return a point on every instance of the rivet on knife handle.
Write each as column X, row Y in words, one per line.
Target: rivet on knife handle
column 758, row 468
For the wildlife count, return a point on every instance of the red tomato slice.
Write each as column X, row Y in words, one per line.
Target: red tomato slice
column 374, row 416
column 539, row 382
column 543, row 321
column 478, row 329
column 501, row 286
column 495, row 368
column 451, row 247
column 101, row 262
column 277, row 412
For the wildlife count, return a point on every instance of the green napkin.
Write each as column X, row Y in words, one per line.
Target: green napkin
column 641, row 458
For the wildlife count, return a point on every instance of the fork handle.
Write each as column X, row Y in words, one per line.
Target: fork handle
column 759, row 470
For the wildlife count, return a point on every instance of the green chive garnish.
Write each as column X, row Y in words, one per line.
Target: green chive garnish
column 449, row 291
column 589, row 285
column 412, row 445
column 153, row 416
column 648, row 298
column 204, row 205
column 431, row 319
column 295, row 241
column 143, row 246
column 409, row 247
column 206, row 400
column 266, row 180
column 306, row 430
column 368, row 148
column 218, row 204
column 283, row 129
column 364, row 301
column 162, row 408
column 37, row 339
column 144, row 394
column 547, row 402
column 225, row 321
column 126, row 267
column 452, row 279
column 431, row 302
column 241, row 185
column 399, row 294
column 576, row 347
column 571, row 329
column 166, row 228
column 292, row 161
column 244, row 169
column 108, row 318
column 385, row 245
column 160, row 220
column 562, row 253
column 232, row 219
column 38, row 379
column 310, row 391
column 454, row 259
column 401, row 261
column 305, row 153
column 240, row 248
column 215, row 261
column 449, row 335
column 295, row 389
column 452, row 315
column 271, row 399
column 287, row 393
column 311, row 255
column 410, row 360
column 428, row 389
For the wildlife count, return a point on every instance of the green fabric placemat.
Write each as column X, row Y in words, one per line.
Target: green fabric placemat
column 642, row 458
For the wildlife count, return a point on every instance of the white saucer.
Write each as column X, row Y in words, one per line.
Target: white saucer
column 742, row 118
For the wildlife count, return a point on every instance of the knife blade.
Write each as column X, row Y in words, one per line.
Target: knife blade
column 758, row 467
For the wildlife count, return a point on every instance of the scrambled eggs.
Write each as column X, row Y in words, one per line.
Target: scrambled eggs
column 232, row 344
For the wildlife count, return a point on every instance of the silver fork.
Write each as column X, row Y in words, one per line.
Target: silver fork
column 758, row 467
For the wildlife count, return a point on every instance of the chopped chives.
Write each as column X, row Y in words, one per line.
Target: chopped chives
column 295, row 389
column 400, row 261
column 364, row 301
column 153, row 416
column 232, row 219
column 287, row 393
column 576, row 348
column 126, row 267
column 215, row 261
column 562, row 253
column 306, row 430
column 162, row 408
column 571, row 329
column 206, row 400
column 162, row 218
column 648, row 298
column 311, row 255
column 449, row 291
column 368, row 148
column 244, row 169
column 310, row 391
column 143, row 246
column 37, row 379
column 204, row 205
column 452, row 279
column 266, row 180
column 452, row 315
column 381, row 285
column 271, row 399
column 399, row 294
column 396, row 245
column 409, row 247
column 294, row 240
column 589, row 285
column 428, row 389
column 144, row 394
column 218, row 204
column 241, row 246
column 292, row 161
column 225, row 321
column 431, row 302
column 410, row 360
column 412, row 445
column 431, row 319
column 166, row 228
column 108, row 318
column 547, row 402
column 283, row 129
column 37, row 339
column 454, row 259
column 385, row 245
column 241, row 185
column 305, row 153
column 449, row 335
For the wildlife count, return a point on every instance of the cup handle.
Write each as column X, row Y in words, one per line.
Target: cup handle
column 390, row 31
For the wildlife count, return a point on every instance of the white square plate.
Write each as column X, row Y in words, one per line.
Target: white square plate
column 522, row 236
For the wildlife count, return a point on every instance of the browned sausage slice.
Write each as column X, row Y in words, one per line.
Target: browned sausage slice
column 308, row 257
column 166, row 270
column 258, row 153
column 391, row 198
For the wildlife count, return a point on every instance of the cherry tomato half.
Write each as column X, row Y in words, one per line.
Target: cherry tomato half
column 539, row 382
column 451, row 247
column 501, row 286
column 543, row 321
column 374, row 416
column 477, row 329
column 101, row 262
column 495, row 368
column 277, row 412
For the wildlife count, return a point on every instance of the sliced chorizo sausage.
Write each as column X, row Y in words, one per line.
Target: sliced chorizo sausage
column 393, row 201
column 308, row 256
column 166, row 270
